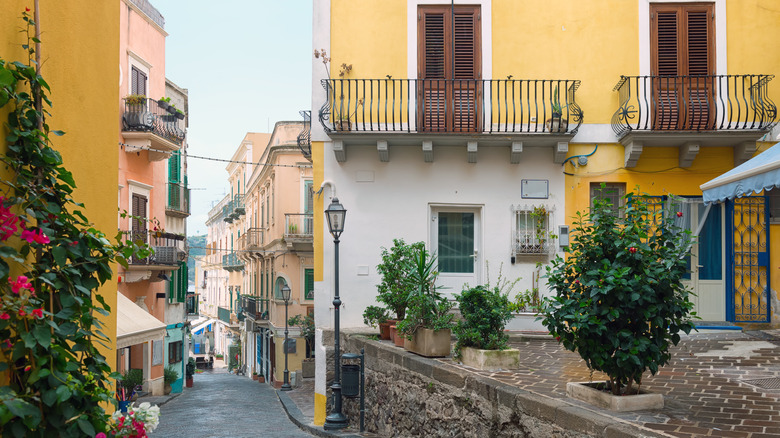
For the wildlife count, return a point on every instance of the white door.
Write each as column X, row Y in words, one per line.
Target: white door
column 456, row 242
column 708, row 260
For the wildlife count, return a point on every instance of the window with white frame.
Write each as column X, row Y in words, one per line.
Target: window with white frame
column 533, row 232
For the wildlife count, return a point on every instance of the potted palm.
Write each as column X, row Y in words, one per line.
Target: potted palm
column 169, row 376
column 481, row 340
column 619, row 298
column 426, row 328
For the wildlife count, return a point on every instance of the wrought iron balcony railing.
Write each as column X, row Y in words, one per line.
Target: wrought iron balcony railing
column 178, row 198
column 223, row 314
column 298, row 225
column 256, row 308
column 168, row 247
column 482, row 106
column 231, row 262
column 694, row 103
column 251, row 239
column 304, row 138
column 227, row 212
column 238, row 206
column 147, row 115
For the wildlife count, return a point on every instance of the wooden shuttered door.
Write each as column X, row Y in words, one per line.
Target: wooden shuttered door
column 139, row 218
column 449, row 62
column 683, row 51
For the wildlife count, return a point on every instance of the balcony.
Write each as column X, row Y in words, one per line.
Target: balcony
column 227, row 212
column 238, row 206
column 450, row 111
column 304, row 138
column 178, row 200
column 147, row 125
column 689, row 111
column 232, row 263
column 168, row 249
column 223, row 314
column 251, row 240
column 299, row 231
column 256, row 308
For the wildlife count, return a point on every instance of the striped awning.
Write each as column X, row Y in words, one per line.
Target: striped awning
column 761, row 172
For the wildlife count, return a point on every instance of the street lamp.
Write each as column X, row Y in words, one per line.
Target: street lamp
column 286, row 297
column 336, row 213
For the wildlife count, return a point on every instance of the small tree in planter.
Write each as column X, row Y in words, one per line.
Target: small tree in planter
column 189, row 371
column 394, row 269
column 375, row 316
column 170, row 375
column 306, row 324
column 620, row 302
column 428, row 322
column 485, row 311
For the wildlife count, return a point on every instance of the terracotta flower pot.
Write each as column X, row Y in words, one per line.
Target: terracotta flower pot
column 384, row 331
column 261, row 379
column 398, row 340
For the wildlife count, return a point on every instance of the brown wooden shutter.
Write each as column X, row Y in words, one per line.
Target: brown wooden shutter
column 139, row 221
column 137, row 81
column 682, row 50
column 449, row 61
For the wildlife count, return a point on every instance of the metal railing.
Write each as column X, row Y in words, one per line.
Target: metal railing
column 227, row 212
column 149, row 116
column 223, row 314
column 298, row 225
column 231, row 262
column 304, row 138
column 178, row 198
column 168, row 247
column 256, row 307
column 451, row 106
column 694, row 103
column 238, row 206
column 251, row 239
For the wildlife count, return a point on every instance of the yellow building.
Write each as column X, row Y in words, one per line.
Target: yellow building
column 453, row 122
column 88, row 32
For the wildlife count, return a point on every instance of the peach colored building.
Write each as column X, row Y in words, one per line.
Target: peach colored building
column 149, row 133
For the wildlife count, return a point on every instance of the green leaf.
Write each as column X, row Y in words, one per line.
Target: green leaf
column 60, row 255
column 86, row 426
column 63, row 393
column 43, row 335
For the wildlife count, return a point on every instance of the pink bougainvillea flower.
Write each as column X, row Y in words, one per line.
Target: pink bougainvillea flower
column 27, row 368
column 22, row 312
column 7, row 343
column 28, row 235
column 5, row 316
column 35, row 236
column 632, row 250
column 8, row 222
column 74, row 243
column 679, row 214
column 100, row 435
column 38, row 313
column 42, row 238
column 20, row 283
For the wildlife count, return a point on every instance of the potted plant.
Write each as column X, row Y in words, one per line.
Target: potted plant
column 375, row 316
column 481, row 340
column 136, row 114
column 619, row 298
column 164, row 103
column 556, row 123
column 179, row 114
column 393, row 289
column 131, row 382
column 169, row 376
column 426, row 327
column 254, row 375
column 189, row 371
column 308, row 331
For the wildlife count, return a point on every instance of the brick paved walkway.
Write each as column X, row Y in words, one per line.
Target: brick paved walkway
column 711, row 386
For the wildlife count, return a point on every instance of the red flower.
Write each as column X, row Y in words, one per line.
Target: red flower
column 5, row 316
column 27, row 368
column 679, row 214
column 7, row 343
column 74, row 243
column 38, row 313
column 20, row 283
column 632, row 250
column 577, row 281
column 558, row 338
column 22, row 312
column 26, row 9
column 8, row 222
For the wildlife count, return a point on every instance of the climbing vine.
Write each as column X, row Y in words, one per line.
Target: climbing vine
column 52, row 261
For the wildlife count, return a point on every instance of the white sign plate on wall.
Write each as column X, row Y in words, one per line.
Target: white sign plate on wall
column 535, row 189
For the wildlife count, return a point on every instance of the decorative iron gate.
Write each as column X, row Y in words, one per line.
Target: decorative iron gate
column 747, row 235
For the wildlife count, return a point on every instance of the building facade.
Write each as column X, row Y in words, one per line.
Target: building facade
column 480, row 128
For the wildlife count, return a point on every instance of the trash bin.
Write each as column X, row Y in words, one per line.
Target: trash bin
column 350, row 380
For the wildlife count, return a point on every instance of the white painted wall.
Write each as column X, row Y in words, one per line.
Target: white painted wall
column 397, row 204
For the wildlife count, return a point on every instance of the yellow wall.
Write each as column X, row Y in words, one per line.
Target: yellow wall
column 80, row 46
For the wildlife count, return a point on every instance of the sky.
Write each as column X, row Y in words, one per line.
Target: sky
column 247, row 65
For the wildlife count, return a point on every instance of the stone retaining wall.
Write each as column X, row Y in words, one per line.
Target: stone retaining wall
column 412, row 396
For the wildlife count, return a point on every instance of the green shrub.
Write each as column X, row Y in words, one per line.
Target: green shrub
column 170, row 375
column 485, row 311
column 132, row 378
column 394, row 269
column 426, row 306
column 189, row 369
column 620, row 301
column 375, row 315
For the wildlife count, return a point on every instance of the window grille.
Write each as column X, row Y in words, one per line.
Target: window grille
column 533, row 233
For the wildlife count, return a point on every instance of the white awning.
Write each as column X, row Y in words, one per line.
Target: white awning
column 761, row 172
column 134, row 325
column 199, row 327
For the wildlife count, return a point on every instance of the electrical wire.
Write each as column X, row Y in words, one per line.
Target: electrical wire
column 221, row 160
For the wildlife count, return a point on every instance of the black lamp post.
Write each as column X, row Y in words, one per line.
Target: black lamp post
column 336, row 214
column 286, row 297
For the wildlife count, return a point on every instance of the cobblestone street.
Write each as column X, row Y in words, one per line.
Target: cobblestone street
column 226, row 406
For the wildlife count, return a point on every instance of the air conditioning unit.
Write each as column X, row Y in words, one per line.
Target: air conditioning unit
column 164, row 255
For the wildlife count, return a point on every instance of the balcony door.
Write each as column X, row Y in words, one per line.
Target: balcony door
column 450, row 63
column 683, row 62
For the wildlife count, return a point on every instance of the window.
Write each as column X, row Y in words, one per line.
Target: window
column 137, row 81
column 533, row 230
column 682, row 51
column 280, row 282
column 774, row 205
column 449, row 60
column 175, row 352
column 456, row 242
column 613, row 193
column 308, row 284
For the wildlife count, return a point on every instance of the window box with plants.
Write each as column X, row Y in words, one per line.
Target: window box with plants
column 427, row 325
column 620, row 301
column 481, row 339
